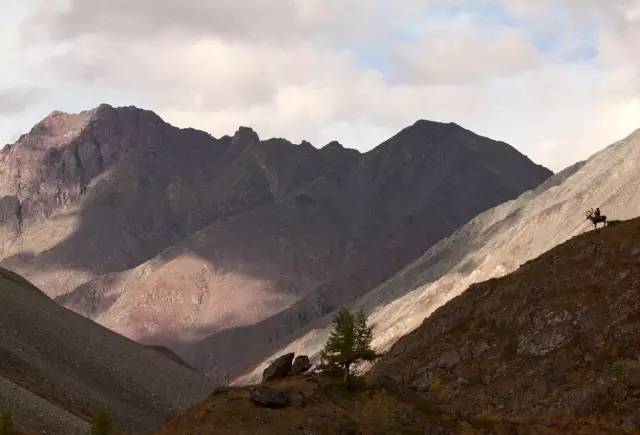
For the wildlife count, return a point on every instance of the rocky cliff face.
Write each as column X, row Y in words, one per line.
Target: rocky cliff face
column 93, row 193
column 169, row 235
column 558, row 337
column 493, row 244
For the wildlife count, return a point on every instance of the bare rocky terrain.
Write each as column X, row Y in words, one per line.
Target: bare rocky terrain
column 222, row 248
column 58, row 368
column 493, row 244
column 551, row 348
column 556, row 338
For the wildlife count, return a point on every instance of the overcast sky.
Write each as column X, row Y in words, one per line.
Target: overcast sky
column 558, row 79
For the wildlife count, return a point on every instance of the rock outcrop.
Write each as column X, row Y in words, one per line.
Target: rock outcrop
column 270, row 397
column 278, row 369
column 301, row 365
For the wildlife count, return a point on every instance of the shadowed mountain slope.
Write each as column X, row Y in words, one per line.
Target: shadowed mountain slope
column 494, row 243
column 168, row 235
column 58, row 368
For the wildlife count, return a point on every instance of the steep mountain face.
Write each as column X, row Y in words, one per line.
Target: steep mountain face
column 106, row 189
column 557, row 337
column 551, row 348
column 58, row 368
column 168, row 236
column 404, row 195
column 494, row 243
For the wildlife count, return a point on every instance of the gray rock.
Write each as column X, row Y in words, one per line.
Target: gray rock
column 541, row 343
column 268, row 397
column 436, row 429
column 447, row 360
column 279, row 368
column 422, row 380
column 300, row 365
column 479, row 348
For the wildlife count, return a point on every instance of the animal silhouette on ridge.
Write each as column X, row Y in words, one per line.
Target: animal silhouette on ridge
column 595, row 217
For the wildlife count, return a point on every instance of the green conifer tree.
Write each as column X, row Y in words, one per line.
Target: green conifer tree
column 6, row 423
column 364, row 337
column 101, row 423
column 349, row 342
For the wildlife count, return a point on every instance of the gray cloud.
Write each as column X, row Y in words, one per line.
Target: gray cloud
column 152, row 17
column 238, row 19
column 18, row 99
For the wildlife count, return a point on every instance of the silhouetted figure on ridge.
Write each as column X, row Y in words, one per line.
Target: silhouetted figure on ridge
column 595, row 217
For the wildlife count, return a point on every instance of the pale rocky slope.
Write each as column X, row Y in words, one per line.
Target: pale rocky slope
column 169, row 235
column 494, row 244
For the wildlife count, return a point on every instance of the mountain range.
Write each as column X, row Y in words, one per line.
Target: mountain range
column 221, row 249
column 493, row 244
column 498, row 308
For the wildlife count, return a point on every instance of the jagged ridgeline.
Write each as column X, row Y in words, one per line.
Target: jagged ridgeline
column 170, row 235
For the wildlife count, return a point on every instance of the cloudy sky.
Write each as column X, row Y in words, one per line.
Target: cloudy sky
column 558, row 79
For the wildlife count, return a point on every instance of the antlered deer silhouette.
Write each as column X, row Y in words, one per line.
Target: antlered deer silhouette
column 595, row 219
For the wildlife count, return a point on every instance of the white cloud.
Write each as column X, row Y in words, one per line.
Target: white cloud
column 352, row 70
column 458, row 55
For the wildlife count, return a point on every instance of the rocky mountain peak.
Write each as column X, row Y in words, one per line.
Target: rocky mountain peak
column 334, row 144
column 55, row 130
column 246, row 135
column 305, row 144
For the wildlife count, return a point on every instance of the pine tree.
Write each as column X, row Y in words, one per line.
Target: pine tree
column 364, row 337
column 6, row 423
column 101, row 423
column 349, row 342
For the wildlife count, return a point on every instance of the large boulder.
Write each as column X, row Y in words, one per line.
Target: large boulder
column 279, row 368
column 300, row 365
column 268, row 397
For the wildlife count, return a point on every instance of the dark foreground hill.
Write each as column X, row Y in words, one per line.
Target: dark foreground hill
column 169, row 235
column 58, row 368
column 558, row 337
column 550, row 348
